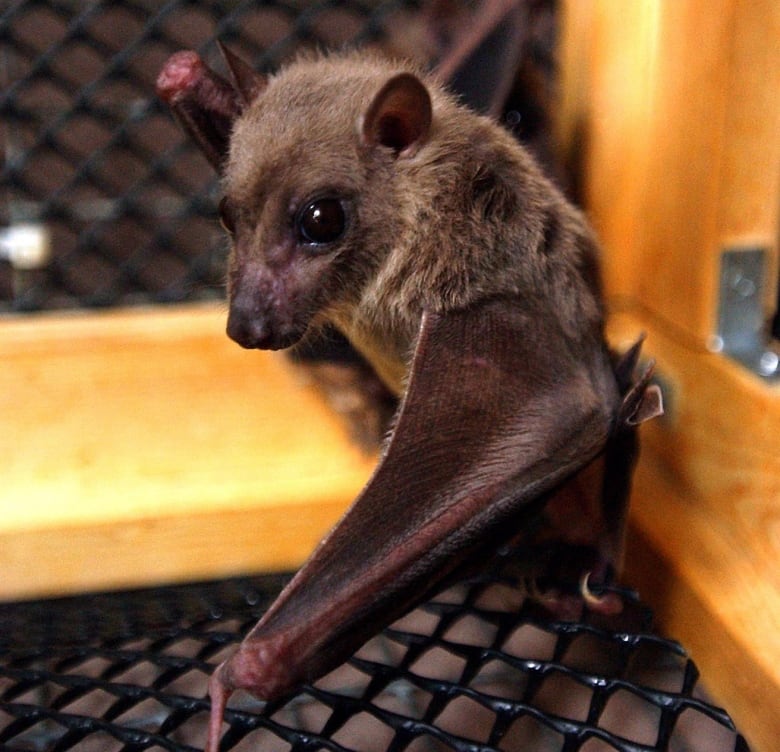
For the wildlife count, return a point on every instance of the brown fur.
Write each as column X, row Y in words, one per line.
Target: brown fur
column 466, row 217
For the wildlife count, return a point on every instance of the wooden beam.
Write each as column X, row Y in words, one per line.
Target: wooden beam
column 673, row 108
column 143, row 446
column 703, row 548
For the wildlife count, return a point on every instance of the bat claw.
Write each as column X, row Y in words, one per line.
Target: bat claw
column 607, row 603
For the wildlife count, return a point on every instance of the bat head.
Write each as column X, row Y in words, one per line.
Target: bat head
column 307, row 181
column 347, row 203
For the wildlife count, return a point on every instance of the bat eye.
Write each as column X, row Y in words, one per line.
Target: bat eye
column 226, row 217
column 321, row 221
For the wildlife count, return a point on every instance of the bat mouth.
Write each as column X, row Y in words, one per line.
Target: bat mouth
column 257, row 335
column 267, row 343
column 282, row 343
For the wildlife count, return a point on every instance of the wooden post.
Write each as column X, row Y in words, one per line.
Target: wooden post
column 673, row 107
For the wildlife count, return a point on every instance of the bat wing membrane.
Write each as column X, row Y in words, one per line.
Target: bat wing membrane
column 498, row 411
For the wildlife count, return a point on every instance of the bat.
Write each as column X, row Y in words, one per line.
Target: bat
column 359, row 193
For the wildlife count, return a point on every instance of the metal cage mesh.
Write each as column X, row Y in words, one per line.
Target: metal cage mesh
column 90, row 155
column 477, row 669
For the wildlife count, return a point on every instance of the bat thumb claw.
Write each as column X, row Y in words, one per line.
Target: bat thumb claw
column 627, row 363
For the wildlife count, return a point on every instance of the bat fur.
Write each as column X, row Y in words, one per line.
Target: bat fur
column 473, row 218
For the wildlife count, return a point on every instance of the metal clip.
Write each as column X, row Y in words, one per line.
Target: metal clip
column 741, row 326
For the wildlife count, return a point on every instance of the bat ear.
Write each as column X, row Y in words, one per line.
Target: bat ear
column 400, row 115
column 247, row 81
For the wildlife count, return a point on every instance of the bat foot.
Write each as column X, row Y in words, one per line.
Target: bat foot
column 558, row 602
column 607, row 604
column 568, row 602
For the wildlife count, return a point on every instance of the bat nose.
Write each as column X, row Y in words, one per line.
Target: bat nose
column 257, row 331
column 252, row 332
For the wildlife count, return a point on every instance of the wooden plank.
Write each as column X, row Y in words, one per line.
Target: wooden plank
column 703, row 548
column 675, row 108
column 608, row 69
column 709, row 596
column 676, row 111
column 52, row 560
column 749, row 202
column 144, row 446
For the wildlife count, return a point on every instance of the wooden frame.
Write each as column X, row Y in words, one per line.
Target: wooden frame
column 143, row 446
column 674, row 108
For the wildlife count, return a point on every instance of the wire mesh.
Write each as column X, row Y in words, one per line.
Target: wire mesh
column 479, row 668
column 91, row 155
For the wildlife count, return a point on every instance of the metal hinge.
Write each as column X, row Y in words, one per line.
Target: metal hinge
column 742, row 332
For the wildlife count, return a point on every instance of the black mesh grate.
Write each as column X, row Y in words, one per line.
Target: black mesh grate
column 478, row 668
column 90, row 154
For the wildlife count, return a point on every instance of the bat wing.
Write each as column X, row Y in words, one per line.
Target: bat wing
column 483, row 59
column 500, row 407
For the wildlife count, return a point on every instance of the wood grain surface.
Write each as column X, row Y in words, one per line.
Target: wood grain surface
column 142, row 446
column 673, row 112
column 703, row 548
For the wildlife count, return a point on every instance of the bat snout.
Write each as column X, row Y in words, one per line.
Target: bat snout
column 248, row 333
column 258, row 332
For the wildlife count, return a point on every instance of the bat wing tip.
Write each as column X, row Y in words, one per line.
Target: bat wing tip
column 180, row 73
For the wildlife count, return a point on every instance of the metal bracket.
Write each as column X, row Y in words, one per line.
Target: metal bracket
column 741, row 326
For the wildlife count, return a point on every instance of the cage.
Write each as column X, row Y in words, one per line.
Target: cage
column 104, row 205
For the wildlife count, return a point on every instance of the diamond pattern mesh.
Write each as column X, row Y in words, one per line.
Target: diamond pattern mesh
column 477, row 669
column 90, row 153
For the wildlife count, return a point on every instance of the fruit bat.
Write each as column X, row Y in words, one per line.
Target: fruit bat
column 359, row 193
